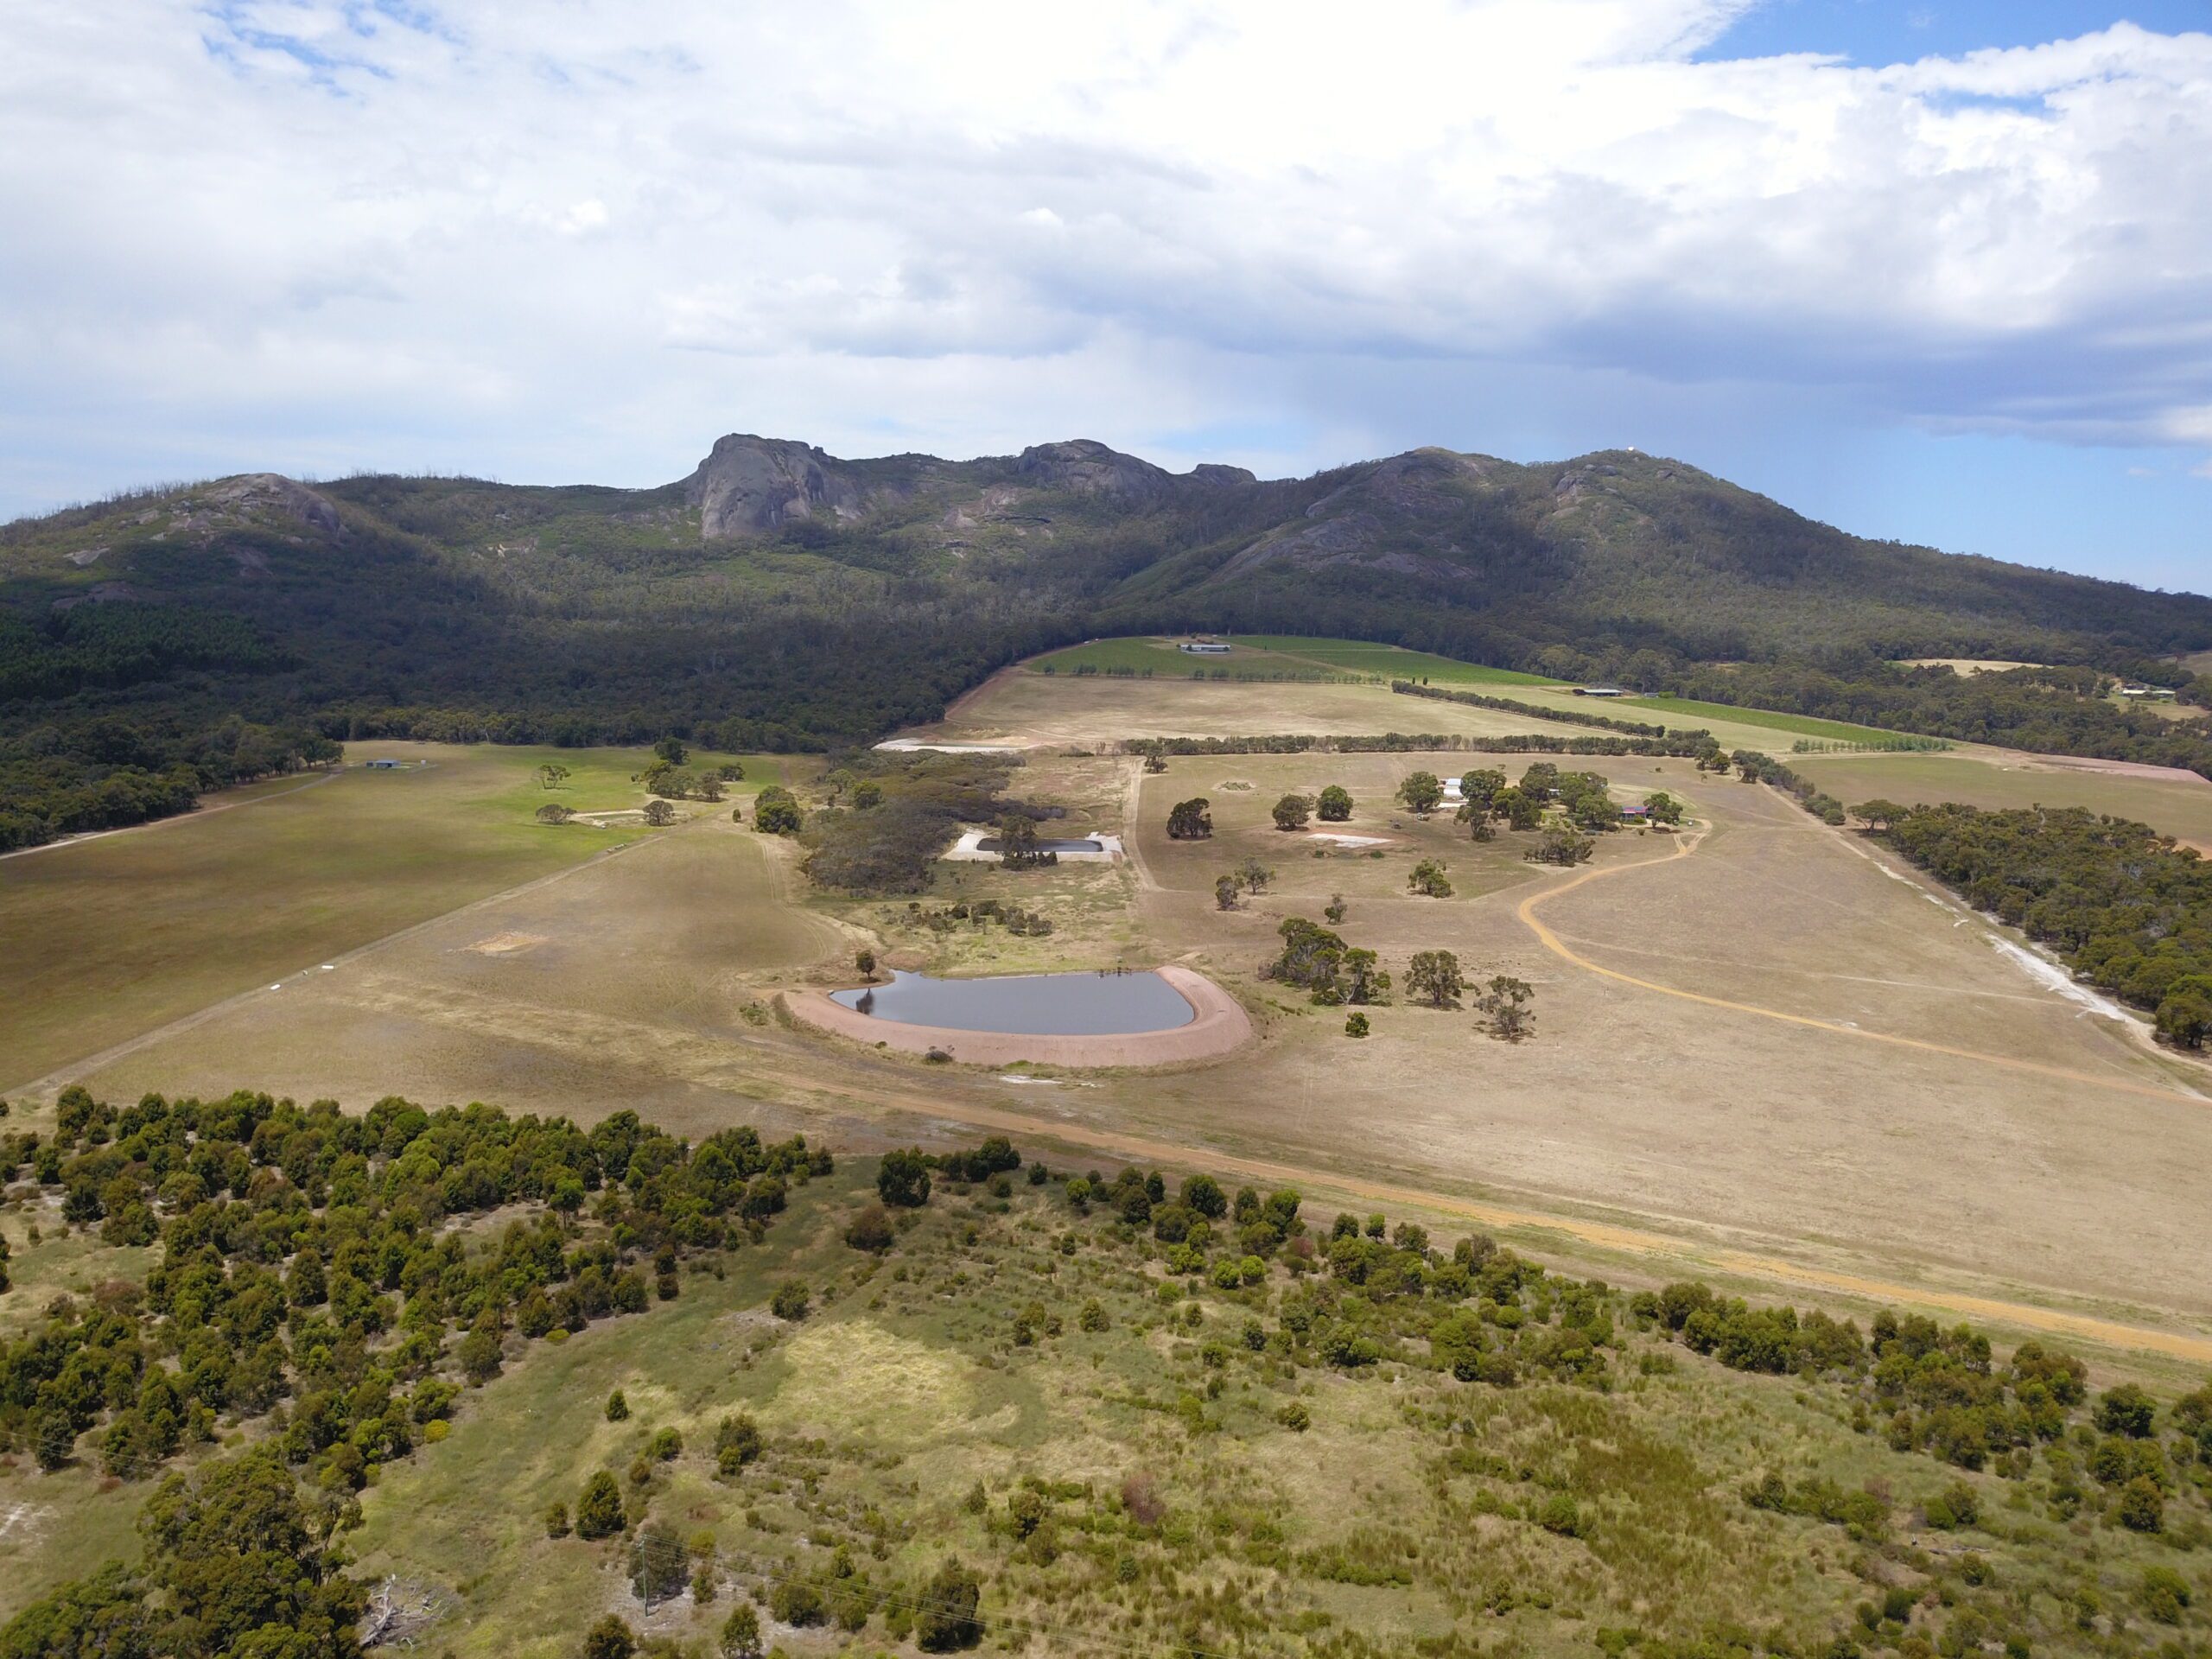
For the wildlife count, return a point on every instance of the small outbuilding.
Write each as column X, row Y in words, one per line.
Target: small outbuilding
column 1205, row 647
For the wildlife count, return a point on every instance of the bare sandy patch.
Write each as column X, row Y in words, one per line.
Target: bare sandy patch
column 505, row 944
column 1965, row 665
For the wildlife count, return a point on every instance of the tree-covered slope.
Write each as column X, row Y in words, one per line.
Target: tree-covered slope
column 781, row 597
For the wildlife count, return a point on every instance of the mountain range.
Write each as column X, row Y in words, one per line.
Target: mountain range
column 786, row 597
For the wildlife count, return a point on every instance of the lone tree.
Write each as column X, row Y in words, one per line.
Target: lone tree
column 1333, row 912
column 1254, row 876
column 1428, row 878
column 775, row 811
column 659, row 814
column 948, row 1618
column 864, row 961
column 1018, row 845
column 1292, row 812
column 1190, row 820
column 1505, row 1005
column 902, row 1179
column 671, row 750
column 1421, row 793
column 554, row 812
column 1224, row 893
column 552, row 775
column 1434, row 977
column 1334, row 805
column 1662, row 808
column 1878, row 816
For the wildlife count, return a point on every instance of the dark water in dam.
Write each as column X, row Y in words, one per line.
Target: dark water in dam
column 1028, row 1005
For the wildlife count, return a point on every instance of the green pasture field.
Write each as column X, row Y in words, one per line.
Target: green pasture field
column 1722, row 713
column 1159, row 654
column 1391, row 662
column 108, row 938
column 2179, row 806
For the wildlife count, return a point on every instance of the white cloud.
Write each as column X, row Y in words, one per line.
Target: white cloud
column 580, row 237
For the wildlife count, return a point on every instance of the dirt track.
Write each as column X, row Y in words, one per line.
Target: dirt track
column 1527, row 912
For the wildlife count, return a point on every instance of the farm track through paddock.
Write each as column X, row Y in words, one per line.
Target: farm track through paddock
column 1661, row 1130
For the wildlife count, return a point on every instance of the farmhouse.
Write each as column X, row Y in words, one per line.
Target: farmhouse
column 2155, row 693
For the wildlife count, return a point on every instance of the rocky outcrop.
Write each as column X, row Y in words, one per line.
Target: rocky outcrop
column 252, row 493
column 1089, row 468
column 748, row 484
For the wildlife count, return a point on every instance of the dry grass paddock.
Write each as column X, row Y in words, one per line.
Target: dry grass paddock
column 1726, row 1086
column 2174, row 803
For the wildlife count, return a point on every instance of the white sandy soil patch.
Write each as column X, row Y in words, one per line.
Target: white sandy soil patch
column 915, row 746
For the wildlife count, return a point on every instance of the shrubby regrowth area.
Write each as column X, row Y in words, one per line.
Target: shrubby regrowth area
column 1250, row 1430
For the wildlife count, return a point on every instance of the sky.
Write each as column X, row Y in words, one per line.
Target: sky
column 1936, row 271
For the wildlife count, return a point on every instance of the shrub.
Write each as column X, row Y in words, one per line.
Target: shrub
column 609, row 1639
column 741, row 1636
column 1356, row 1024
column 2166, row 1594
column 1558, row 1514
column 737, row 1442
column 902, row 1179
column 949, row 1619
column 599, row 1511
column 871, row 1231
column 1295, row 1418
column 2126, row 1410
column 617, row 1407
column 796, row 1601
column 2142, row 1505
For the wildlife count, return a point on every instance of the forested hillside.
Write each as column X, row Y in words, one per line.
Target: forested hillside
column 779, row 598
